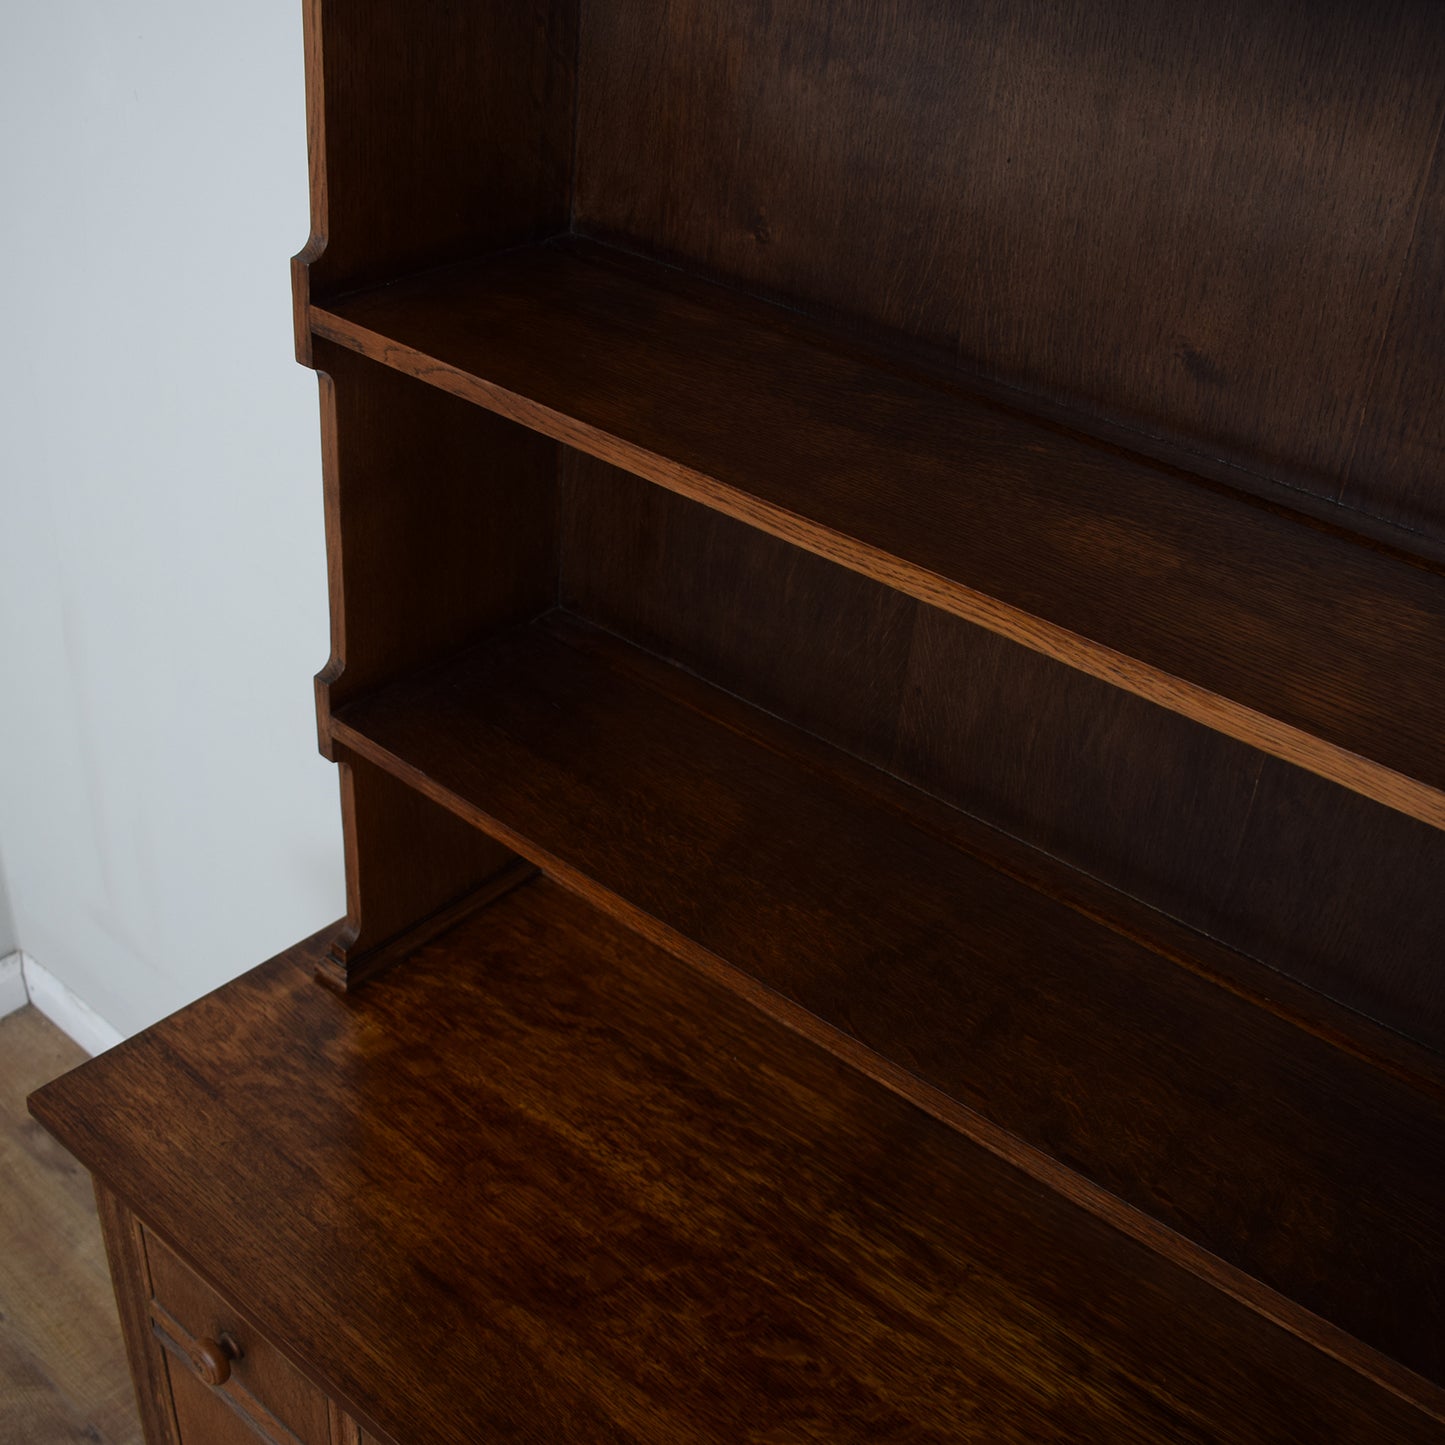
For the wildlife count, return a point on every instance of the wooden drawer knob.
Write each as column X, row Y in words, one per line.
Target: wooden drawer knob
column 211, row 1358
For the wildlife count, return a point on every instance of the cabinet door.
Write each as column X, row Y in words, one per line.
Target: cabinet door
column 206, row 1416
column 219, row 1364
column 204, row 1375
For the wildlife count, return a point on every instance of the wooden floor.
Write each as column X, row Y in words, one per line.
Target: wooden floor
column 63, row 1374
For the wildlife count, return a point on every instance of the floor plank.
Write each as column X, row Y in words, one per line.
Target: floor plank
column 63, row 1374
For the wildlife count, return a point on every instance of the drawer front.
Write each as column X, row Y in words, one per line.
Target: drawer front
column 228, row 1382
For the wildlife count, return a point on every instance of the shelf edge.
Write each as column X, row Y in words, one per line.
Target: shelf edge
column 1332, row 1340
column 1331, row 761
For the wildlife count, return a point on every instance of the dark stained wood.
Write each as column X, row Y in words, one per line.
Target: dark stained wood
column 1329, row 886
column 1193, row 219
column 345, row 1431
column 824, row 647
column 1182, row 946
column 1313, row 880
column 608, row 1201
column 435, row 132
column 1338, row 892
column 412, row 869
column 1290, row 637
column 211, row 1360
column 227, row 1353
column 303, row 260
column 1064, row 445
column 207, row 1418
column 1397, row 467
column 126, row 1251
column 441, row 524
column 1252, row 1138
column 1145, row 799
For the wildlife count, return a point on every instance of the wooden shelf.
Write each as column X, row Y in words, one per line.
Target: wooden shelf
column 608, row 1202
column 983, row 393
column 1317, row 648
column 872, row 917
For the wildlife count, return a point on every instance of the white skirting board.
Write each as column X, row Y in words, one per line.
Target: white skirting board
column 12, row 984
column 23, row 980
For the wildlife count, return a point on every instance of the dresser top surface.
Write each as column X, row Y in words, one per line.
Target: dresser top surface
column 545, row 1182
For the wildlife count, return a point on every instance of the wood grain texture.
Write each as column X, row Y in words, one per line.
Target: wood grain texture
column 32, row 1410
column 63, row 1373
column 1247, row 1136
column 435, row 132
column 262, row 1386
column 1192, row 219
column 344, row 1430
column 1397, row 465
column 1147, row 800
column 207, row 1418
column 1329, row 886
column 1334, row 890
column 441, row 524
column 608, row 1202
column 1318, row 882
column 1285, row 635
column 411, row 868
column 126, row 1251
column 822, row 646
column 210, row 1418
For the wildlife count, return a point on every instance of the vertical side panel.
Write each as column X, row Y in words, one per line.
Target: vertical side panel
column 344, row 1430
column 126, row 1254
column 437, row 131
column 412, row 869
column 441, row 524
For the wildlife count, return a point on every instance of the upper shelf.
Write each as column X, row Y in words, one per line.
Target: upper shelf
column 1292, row 637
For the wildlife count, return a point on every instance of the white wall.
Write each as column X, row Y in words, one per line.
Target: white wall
column 9, row 940
column 165, row 819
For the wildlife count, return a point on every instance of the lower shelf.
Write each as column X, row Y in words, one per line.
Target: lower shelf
column 861, row 912
column 545, row 1182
